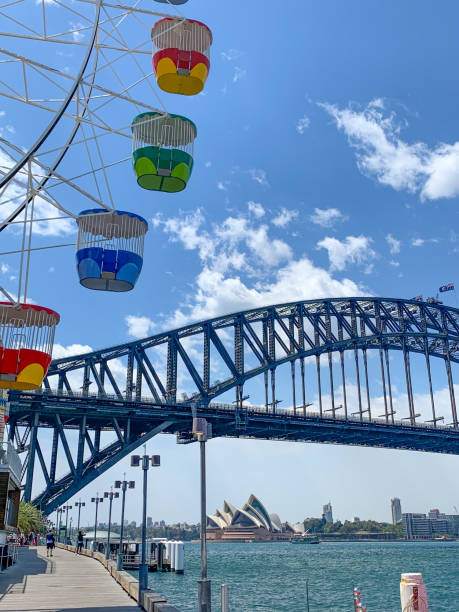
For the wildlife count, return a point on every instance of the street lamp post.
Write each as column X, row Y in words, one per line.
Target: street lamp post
column 123, row 485
column 136, row 461
column 79, row 504
column 58, row 521
column 66, row 508
column 110, row 496
column 97, row 500
column 202, row 431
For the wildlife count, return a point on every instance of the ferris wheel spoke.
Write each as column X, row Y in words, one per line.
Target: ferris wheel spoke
column 48, row 173
column 107, row 183
column 19, row 23
column 131, row 9
column 42, row 138
column 93, row 172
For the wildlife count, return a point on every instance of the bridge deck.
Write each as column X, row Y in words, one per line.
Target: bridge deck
column 64, row 582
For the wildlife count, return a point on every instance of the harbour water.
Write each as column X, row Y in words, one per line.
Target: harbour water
column 271, row 577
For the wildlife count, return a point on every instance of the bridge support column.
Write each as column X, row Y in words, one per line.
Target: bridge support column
column 343, row 377
column 303, row 386
column 319, row 386
column 52, row 469
column 429, row 376
column 31, row 459
column 357, row 373
column 452, row 396
column 292, row 366
column 409, row 386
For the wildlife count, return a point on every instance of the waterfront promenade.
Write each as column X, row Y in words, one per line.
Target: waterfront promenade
column 64, row 582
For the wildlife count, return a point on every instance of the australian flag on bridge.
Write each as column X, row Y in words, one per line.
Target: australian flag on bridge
column 448, row 287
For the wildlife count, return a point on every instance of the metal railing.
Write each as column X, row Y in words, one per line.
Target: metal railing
column 8, row 555
column 10, row 458
column 250, row 409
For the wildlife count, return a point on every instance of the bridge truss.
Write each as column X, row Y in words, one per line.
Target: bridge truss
column 338, row 359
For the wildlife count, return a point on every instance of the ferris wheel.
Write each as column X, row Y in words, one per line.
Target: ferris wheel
column 80, row 101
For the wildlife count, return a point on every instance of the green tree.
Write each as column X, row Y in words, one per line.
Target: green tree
column 31, row 519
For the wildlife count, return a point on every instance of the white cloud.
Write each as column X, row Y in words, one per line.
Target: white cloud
column 217, row 293
column 352, row 250
column 4, row 268
column 78, row 31
column 326, row 217
column 396, row 264
column 208, row 164
column 239, row 73
column 394, row 244
column 302, row 124
column 231, row 54
column 139, row 326
column 256, row 209
column 418, row 242
column 382, row 154
column 240, row 246
column 221, row 186
column 284, row 217
column 259, row 176
column 60, row 351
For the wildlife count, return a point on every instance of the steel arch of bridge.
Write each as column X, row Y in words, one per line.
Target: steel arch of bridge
column 132, row 389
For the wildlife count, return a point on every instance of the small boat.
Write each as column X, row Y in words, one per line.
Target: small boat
column 306, row 539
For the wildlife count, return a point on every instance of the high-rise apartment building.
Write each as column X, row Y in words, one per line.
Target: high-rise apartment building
column 435, row 524
column 149, row 521
column 328, row 513
column 396, row 511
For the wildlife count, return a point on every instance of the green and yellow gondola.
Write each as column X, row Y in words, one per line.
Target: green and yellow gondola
column 162, row 151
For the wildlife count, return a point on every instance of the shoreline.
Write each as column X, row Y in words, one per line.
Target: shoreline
column 327, row 540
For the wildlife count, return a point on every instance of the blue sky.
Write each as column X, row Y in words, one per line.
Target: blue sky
column 326, row 165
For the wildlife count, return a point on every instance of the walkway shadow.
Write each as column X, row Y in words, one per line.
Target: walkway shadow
column 14, row 579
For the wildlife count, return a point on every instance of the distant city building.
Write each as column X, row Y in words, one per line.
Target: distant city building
column 356, row 519
column 126, row 522
column 396, row 511
column 149, row 521
column 327, row 513
column 162, row 523
column 133, row 524
column 435, row 524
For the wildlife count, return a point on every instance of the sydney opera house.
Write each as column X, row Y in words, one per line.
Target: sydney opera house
column 249, row 524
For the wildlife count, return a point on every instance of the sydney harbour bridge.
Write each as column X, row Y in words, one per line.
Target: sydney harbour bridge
column 336, row 366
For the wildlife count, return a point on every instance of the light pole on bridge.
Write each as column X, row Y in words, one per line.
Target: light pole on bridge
column 66, row 508
column 59, row 513
column 97, row 501
column 202, row 431
column 110, row 496
column 79, row 504
column 123, row 485
column 144, row 461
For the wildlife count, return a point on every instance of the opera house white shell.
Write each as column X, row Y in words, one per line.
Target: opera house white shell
column 252, row 515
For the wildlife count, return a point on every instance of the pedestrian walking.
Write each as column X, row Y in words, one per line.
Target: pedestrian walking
column 79, row 543
column 50, row 543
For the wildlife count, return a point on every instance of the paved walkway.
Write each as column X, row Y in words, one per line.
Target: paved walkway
column 64, row 582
